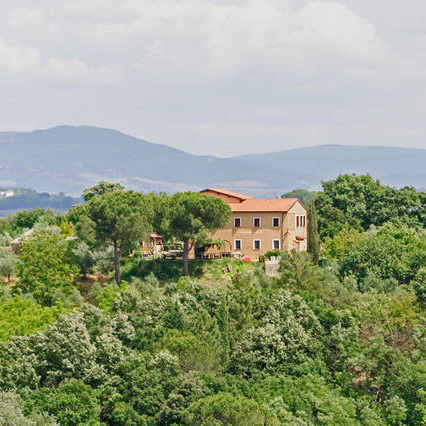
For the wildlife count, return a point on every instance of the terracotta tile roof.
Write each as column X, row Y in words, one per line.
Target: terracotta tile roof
column 229, row 193
column 264, row 205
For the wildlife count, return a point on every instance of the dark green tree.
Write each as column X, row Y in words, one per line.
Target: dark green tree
column 360, row 201
column 303, row 195
column 313, row 238
column 189, row 216
column 27, row 218
column 101, row 188
column 393, row 251
column 121, row 218
column 72, row 403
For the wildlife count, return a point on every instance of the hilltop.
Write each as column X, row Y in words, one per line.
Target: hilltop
column 70, row 158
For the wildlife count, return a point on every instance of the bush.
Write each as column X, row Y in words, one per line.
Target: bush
column 228, row 409
column 72, row 403
column 22, row 316
column 12, row 412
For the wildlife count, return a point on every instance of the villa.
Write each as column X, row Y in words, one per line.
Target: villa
column 259, row 225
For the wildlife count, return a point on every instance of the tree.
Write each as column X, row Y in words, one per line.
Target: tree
column 313, row 239
column 225, row 408
column 43, row 267
column 8, row 262
column 304, row 196
column 21, row 316
column 27, row 218
column 189, row 216
column 361, row 201
column 101, row 188
column 339, row 245
column 83, row 226
column 84, row 256
column 12, row 412
column 5, row 239
column 122, row 218
column 72, row 403
column 393, row 251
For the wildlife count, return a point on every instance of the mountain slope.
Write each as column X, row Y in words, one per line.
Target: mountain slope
column 394, row 166
column 71, row 158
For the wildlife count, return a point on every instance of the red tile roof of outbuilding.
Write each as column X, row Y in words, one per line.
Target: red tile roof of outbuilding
column 229, row 193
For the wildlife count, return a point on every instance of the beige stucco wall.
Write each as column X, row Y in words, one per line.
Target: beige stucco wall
column 291, row 231
column 286, row 232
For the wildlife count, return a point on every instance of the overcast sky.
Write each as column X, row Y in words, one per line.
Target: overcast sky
column 221, row 77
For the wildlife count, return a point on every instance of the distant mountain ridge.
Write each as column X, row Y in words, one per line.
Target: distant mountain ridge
column 70, row 158
column 393, row 165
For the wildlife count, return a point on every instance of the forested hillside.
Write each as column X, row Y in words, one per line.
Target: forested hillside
column 29, row 199
column 339, row 341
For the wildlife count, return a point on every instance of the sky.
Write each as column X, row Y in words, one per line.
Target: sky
column 219, row 77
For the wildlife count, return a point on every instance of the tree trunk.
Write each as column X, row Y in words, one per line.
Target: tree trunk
column 117, row 253
column 185, row 257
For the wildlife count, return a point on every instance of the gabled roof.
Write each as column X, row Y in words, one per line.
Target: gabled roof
column 264, row 205
column 241, row 197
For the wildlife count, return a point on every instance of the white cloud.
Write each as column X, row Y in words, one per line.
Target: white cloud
column 229, row 68
column 16, row 59
column 334, row 29
column 76, row 71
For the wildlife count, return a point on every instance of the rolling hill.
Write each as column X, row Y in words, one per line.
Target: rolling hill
column 70, row 158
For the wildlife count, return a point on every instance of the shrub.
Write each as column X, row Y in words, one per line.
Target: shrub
column 228, row 409
column 72, row 403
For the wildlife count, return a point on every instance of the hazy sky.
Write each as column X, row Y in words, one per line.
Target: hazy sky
column 219, row 77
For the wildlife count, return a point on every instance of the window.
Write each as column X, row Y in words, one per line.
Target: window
column 256, row 244
column 276, row 245
column 275, row 222
column 300, row 221
column 256, row 222
column 237, row 244
column 237, row 222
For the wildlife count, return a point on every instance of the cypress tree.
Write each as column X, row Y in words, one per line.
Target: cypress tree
column 313, row 239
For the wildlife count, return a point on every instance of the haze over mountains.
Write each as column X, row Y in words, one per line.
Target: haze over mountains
column 68, row 159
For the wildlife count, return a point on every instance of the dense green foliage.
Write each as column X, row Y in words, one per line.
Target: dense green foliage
column 341, row 343
column 43, row 270
column 361, row 201
column 20, row 316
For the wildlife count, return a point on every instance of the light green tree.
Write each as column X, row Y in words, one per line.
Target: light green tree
column 8, row 263
column 43, row 267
